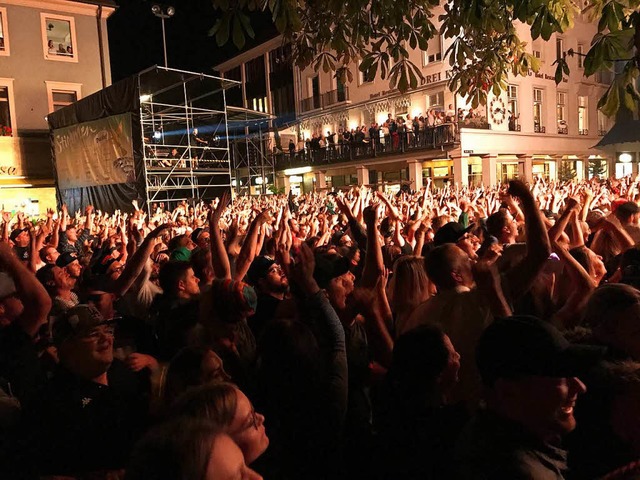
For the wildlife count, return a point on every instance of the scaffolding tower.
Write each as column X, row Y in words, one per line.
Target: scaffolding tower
column 252, row 147
column 183, row 117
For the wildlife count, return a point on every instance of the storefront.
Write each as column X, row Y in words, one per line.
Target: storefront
column 440, row 172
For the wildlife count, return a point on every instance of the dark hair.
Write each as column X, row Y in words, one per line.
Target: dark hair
column 201, row 263
column 496, row 222
column 580, row 255
column 170, row 274
column 175, row 242
column 419, row 357
column 177, row 450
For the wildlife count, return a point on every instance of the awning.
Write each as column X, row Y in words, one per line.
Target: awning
column 622, row 132
column 22, row 182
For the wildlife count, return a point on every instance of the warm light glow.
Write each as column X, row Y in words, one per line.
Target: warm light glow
column 625, row 157
column 353, row 124
column 259, row 181
column 306, row 134
column 297, row 171
column 381, row 118
column 234, row 183
column 415, row 113
column 295, row 179
column 145, row 98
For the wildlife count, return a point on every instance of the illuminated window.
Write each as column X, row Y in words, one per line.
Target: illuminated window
column 59, row 37
column 4, row 32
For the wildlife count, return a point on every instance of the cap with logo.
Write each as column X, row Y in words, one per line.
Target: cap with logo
column 77, row 321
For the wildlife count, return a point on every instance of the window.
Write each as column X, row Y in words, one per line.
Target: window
column 583, row 115
column 538, row 98
column 580, row 52
column 4, row 32
column 59, row 37
column 7, row 107
column 436, row 100
column 561, row 112
column 537, row 49
column 434, row 51
column 361, row 78
column 62, row 94
column 603, row 123
column 559, row 48
column 314, row 91
column 512, row 100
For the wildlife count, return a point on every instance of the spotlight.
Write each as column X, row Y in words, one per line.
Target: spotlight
column 171, row 11
column 157, row 135
column 156, row 9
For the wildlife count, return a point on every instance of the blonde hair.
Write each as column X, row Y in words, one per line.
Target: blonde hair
column 408, row 288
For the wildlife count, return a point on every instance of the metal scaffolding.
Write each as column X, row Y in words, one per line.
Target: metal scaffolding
column 184, row 128
column 251, row 146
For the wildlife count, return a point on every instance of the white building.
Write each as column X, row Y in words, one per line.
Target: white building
column 555, row 131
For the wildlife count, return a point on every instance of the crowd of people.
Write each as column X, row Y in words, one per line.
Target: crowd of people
column 447, row 333
column 399, row 133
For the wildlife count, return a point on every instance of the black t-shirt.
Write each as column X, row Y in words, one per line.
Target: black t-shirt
column 76, row 425
column 23, row 253
column 19, row 363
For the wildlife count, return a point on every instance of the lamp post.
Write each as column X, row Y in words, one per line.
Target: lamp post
column 163, row 12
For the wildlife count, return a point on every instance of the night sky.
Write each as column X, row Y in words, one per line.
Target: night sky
column 135, row 37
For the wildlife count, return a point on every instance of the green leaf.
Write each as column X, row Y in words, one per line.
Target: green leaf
column 238, row 34
column 558, row 75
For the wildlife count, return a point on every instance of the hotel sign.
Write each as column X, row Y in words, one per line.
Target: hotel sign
column 426, row 80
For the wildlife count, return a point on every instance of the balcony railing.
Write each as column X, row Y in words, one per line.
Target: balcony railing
column 584, row 131
column 427, row 139
column 539, row 128
column 310, row 103
column 563, row 130
column 325, row 100
column 335, row 96
column 602, row 133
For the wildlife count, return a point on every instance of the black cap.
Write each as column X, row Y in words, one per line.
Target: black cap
column 328, row 267
column 65, row 259
column 450, row 233
column 15, row 233
column 77, row 320
column 196, row 233
column 519, row 346
column 259, row 268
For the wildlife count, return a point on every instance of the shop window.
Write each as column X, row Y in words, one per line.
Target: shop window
column 59, row 37
column 4, row 32
column 6, row 110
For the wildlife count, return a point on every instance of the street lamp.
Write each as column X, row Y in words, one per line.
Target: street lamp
column 163, row 12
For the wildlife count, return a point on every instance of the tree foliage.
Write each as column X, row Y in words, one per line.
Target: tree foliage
column 332, row 34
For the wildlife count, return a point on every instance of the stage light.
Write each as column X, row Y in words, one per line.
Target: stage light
column 157, row 135
column 156, row 10
column 259, row 181
column 234, row 184
column 145, row 98
column 171, row 11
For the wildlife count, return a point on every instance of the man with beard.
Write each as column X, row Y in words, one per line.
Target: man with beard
column 271, row 285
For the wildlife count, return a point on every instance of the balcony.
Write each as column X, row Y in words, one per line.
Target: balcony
column 325, row 100
column 537, row 128
column 480, row 123
column 430, row 138
column 602, row 133
column 583, row 131
column 563, row 129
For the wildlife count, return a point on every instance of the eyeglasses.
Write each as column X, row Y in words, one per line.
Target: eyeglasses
column 250, row 421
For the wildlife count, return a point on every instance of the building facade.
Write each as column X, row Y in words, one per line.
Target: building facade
column 52, row 53
column 534, row 128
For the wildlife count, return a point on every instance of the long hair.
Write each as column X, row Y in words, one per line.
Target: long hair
column 409, row 285
column 177, row 450
column 216, row 402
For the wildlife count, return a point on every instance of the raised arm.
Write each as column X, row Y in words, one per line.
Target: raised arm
column 521, row 276
column 248, row 250
column 137, row 262
column 219, row 258
column 373, row 263
column 34, row 297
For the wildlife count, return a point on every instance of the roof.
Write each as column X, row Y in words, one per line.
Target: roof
column 104, row 3
column 627, row 131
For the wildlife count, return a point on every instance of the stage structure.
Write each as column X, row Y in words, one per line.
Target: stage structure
column 252, row 141
column 160, row 136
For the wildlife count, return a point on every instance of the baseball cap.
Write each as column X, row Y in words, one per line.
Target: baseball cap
column 181, row 254
column 77, row 320
column 65, row 259
column 259, row 268
column 196, row 233
column 450, row 233
column 7, row 285
column 522, row 345
column 15, row 233
column 328, row 267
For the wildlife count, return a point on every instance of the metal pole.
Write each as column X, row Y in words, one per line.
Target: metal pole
column 164, row 42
